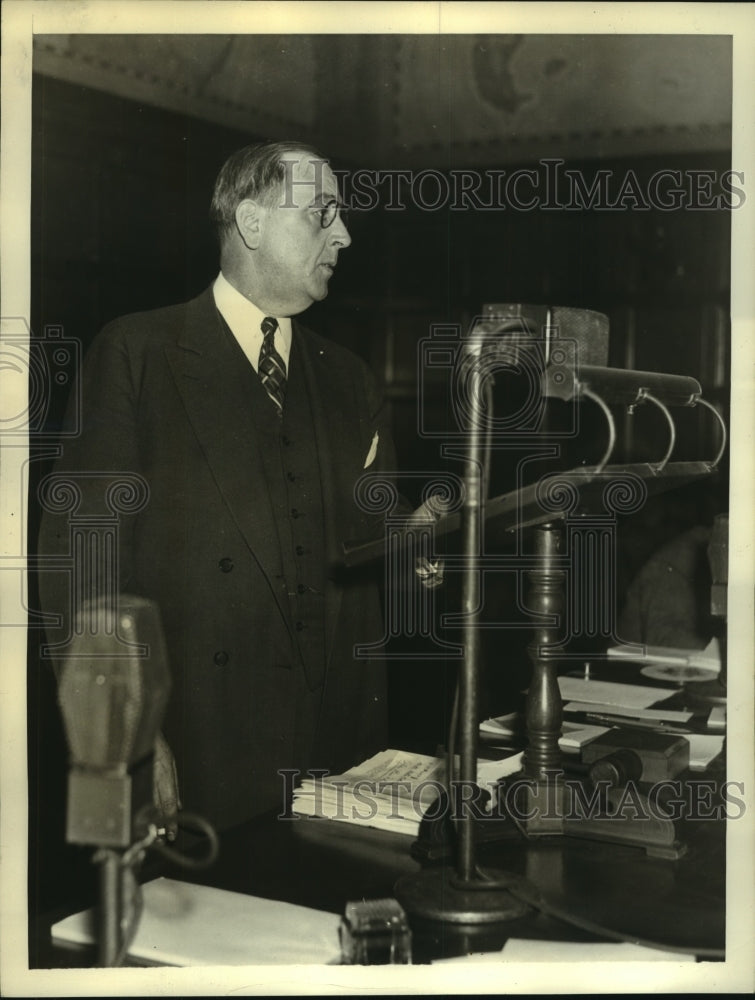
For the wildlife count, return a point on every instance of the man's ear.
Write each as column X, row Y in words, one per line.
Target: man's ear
column 249, row 222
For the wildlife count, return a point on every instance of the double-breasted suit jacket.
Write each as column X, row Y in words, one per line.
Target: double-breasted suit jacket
column 238, row 545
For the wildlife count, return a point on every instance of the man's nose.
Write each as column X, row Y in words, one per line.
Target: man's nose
column 339, row 234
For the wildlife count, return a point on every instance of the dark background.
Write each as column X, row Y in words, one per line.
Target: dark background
column 120, row 193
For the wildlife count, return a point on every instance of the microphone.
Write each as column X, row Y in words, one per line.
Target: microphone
column 113, row 690
column 586, row 329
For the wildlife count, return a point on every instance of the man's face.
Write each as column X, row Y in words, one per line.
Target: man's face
column 296, row 256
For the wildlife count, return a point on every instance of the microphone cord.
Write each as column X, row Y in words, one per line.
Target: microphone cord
column 128, row 902
column 128, row 863
column 198, row 824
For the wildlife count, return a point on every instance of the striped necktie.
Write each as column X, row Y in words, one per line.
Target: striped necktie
column 272, row 367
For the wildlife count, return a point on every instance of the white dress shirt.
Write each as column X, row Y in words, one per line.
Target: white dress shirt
column 244, row 320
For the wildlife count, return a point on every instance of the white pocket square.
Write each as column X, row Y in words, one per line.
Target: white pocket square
column 372, row 452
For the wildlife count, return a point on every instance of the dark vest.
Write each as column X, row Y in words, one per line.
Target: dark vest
column 292, row 473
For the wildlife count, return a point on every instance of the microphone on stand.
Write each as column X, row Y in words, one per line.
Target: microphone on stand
column 112, row 692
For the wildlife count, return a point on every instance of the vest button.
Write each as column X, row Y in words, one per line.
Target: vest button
column 301, row 589
column 220, row 658
column 286, row 440
column 291, row 477
column 294, row 512
column 226, row 565
column 300, row 626
column 300, row 550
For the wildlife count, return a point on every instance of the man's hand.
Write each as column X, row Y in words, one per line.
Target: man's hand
column 165, row 787
column 430, row 574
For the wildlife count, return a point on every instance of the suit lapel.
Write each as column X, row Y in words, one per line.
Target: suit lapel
column 214, row 389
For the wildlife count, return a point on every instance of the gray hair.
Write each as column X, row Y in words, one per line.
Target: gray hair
column 255, row 172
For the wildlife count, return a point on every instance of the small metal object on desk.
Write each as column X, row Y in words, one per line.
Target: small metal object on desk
column 375, row 932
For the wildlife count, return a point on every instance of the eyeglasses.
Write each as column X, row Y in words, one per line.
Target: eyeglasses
column 329, row 212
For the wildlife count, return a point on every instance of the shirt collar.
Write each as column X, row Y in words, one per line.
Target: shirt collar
column 244, row 320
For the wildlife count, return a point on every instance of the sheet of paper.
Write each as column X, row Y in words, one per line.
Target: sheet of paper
column 503, row 725
column 390, row 776
column 611, row 693
column 489, row 771
column 397, row 765
column 393, row 766
column 576, row 736
column 708, row 658
column 185, row 925
column 521, row 950
column 652, row 714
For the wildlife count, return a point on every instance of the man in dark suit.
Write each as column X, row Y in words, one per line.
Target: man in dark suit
column 250, row 432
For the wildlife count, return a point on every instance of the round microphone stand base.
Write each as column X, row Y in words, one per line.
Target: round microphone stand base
column 437, row 894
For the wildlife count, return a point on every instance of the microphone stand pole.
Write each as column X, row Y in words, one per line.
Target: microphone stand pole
column 438, row 894
column 110, row 903
column 469, row 678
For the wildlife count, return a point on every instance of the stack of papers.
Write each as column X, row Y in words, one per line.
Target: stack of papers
column 631, row 701
column 391, row 791
column 616, row 703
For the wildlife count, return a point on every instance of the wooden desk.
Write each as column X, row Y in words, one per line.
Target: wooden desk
column 325, row 864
